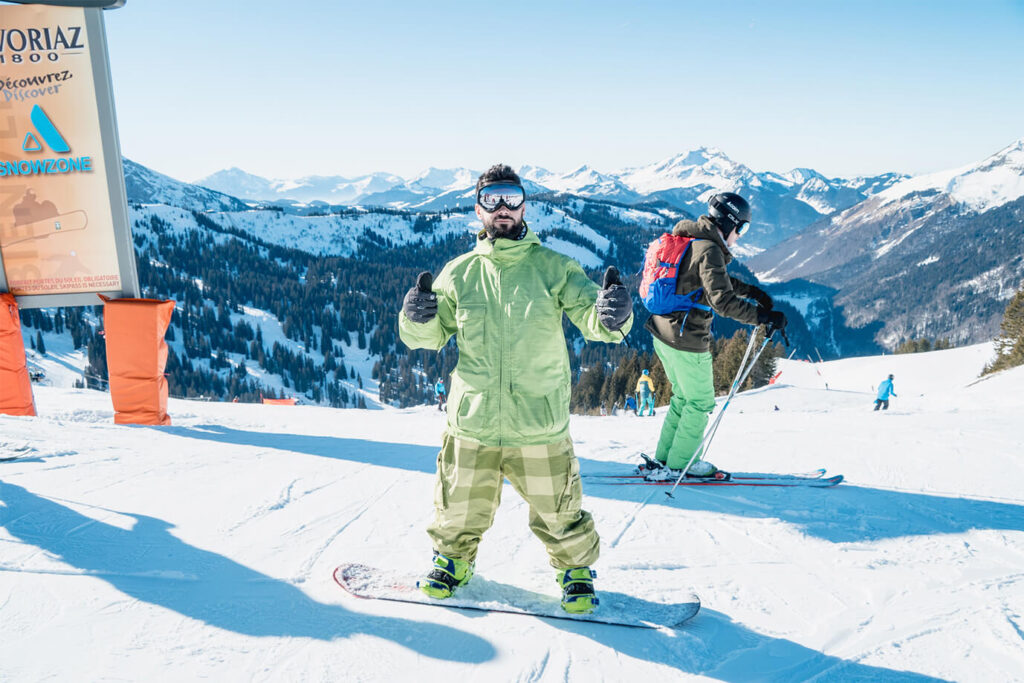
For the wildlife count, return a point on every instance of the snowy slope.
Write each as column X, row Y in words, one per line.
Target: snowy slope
column 204, row 549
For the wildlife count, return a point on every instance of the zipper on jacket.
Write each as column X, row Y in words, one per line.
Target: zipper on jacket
column 501, row 366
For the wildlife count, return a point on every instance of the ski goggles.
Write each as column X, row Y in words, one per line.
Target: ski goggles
column 741, row 228
column 491, row 197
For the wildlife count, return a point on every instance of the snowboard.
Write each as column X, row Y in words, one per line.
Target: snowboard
column 482, row 595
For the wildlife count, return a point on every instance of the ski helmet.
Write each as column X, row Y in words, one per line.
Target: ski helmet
column 646, row 371
column 730, row 211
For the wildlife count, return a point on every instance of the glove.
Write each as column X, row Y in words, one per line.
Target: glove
column 614, row 304
column 420, row 303
column 761, row 297
column 775, row 320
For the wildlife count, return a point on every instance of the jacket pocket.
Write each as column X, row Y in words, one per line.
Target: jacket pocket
column 470, row 328
column 537, row 417
column 470, row 415
column 571, row 500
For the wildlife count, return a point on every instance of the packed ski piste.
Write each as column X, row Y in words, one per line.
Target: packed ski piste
column 315, row 565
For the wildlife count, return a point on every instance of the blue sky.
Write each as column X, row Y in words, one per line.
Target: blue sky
column 319, row 87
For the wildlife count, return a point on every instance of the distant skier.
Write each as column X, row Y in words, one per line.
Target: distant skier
column 440, row 394
column 698, row 252
column 885, row 390
column 630, row 403
column 508, row 413
column 645, row 392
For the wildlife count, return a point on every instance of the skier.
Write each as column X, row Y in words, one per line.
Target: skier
column 645, row 391
column 885, row 390
column 508, row 413
column 682, row 338
column 440, row 394
column 630, row 403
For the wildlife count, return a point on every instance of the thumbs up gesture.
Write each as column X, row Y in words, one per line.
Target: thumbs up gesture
column 420, row 303
column 614, row 304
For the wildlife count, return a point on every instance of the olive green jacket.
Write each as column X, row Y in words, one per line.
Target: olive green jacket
column 703, row 265
column 504, row 301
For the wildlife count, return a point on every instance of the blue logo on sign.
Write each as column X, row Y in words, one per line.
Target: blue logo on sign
column 44, row 126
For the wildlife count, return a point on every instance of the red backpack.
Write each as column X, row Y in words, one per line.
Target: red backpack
column 661, row 268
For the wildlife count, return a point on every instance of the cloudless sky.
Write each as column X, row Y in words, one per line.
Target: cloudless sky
column 285, row 89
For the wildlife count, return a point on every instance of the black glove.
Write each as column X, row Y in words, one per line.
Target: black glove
column 420, row 303
column 761, row 297
column 614, row 304
column 775, row 320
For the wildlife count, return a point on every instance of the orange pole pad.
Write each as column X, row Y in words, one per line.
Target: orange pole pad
column 15, row 385
column 136, row 358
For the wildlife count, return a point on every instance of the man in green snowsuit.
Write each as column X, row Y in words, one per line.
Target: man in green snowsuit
column 508, row 404
column 682, row 339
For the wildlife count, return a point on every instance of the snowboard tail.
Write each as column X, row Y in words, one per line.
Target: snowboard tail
column 482, row 595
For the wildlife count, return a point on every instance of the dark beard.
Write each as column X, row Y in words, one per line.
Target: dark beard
column 516, row 231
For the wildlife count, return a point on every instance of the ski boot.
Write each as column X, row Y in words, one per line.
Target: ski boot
column 447, row 574
column 578, row 590
column 701, row 469
column 698, row 470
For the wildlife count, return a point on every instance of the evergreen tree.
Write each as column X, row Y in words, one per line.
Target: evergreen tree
column 1010, row 342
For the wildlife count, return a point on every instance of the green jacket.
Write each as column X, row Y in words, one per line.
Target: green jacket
column 504, row 301
column 704, row 265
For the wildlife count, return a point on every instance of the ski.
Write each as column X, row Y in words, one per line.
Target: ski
column 814, row 474
column 482, row 595
column 808, row 483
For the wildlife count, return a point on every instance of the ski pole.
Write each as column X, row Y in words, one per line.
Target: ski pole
column 741, row 376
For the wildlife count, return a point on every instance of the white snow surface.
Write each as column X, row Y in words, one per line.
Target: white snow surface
column 204, row 550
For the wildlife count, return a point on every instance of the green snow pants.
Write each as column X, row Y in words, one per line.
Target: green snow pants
column 693, row 398
column 468, row 490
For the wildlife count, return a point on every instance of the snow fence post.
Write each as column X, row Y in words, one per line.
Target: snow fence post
column 15, row 385
column 136, row 358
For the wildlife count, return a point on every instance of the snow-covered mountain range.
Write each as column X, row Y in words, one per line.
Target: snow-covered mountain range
column 934, row 254
column 783, row 203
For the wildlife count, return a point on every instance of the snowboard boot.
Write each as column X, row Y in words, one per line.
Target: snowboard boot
column 578, row 590
column 447, row 574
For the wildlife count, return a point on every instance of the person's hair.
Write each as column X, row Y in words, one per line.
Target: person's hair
column 496, row 174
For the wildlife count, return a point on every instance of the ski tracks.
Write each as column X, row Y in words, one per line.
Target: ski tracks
column 306, row 569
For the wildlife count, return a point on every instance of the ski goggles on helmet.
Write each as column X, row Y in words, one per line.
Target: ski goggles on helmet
column 491, row 197
column 741, row 228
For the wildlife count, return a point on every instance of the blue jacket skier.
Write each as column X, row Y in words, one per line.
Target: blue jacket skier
column 645, row 391
column 885, row 390
column 440, row 394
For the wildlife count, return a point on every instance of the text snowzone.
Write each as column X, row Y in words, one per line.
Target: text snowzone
column 46, row 166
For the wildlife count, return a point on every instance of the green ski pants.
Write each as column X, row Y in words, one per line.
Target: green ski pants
column 468, row 490
column 693, row 398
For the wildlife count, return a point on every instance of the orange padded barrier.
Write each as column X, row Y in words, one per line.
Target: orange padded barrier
column 15, row 385
column 136, row 358
column 279, row 401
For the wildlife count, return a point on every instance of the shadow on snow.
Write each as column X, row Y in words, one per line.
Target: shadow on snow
column 149, row 563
